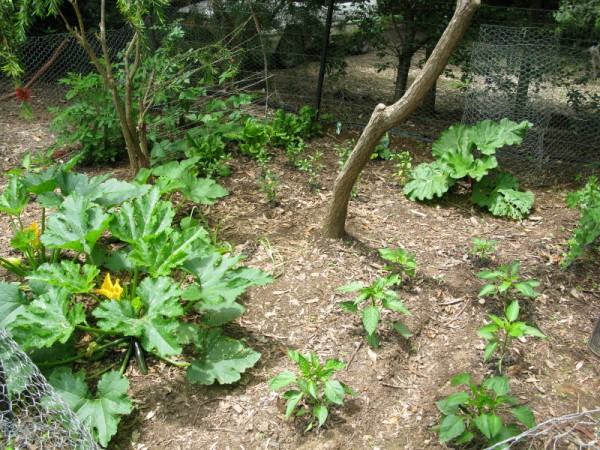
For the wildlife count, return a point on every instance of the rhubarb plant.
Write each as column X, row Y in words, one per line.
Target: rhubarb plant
column 108, row 267
column 469, row 152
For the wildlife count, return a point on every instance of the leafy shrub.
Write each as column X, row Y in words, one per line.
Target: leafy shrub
column 317, row 390
column 476, row 415
column 465, row 151
column 90, row 120
column 587, row 201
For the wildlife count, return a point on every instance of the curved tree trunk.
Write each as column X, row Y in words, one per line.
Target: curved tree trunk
column 385, row 117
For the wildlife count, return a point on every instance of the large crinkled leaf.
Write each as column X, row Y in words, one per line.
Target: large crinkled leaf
column 144, row 218
column 77, row 225
column 501, row 197
column 428, row 181
column 458, row 163
column 457, row 138
column 12, row 303
column 202, row 190
column 14, row 197
column 47, row 319
column 39, row 183
column 100, row 413
column 71, row 182
column 75, row 278
column 221, row 358
column 170, row 175
column 167, row 252
column 114, row 192
column 482, row 166
column 489, row 135
column 156, row 322
column 218, row 278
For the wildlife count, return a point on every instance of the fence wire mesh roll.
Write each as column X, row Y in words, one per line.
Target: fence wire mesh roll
column 32, row 414
column 523, row 74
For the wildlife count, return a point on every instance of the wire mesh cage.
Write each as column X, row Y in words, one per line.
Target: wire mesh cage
column 32, row 414
column 523, row 74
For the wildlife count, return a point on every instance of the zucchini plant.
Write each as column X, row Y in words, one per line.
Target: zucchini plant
column 108, row 267
column 468, row 152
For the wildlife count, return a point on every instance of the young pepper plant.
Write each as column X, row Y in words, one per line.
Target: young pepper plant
column 476, row 415
column 377, row 296
column 502, row 330
column 317, row 390
column 506, row 283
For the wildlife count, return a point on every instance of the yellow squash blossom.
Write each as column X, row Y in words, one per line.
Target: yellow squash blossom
column 110, row 290
column 36, row 229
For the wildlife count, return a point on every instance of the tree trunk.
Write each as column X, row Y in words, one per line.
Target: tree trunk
column 402, row 71
column 428, row 104
column 385, row 118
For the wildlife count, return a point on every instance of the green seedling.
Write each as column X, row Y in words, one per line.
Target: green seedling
column 403, row 165
column 269, row 184
column 377, row 296
column 502, row 330
column 477, row 414
column 482, row 248
column 506, row 283
column 316, row 390
column 402, row 261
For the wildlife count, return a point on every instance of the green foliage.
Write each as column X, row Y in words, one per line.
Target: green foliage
column 587, row 201
column 377, row 297
column 506, row 283
column 269, row 184
column 101, row 225
column 89, row 120
column 403, row 261
column 501, row 196
column 403, row 164
column 467, row 151
column 382, row 150
column 483, row 248
column 317, row 389
column 312, row 167
column 502, row 330
column 253, row 139
column 100, row 413
column 478, row 415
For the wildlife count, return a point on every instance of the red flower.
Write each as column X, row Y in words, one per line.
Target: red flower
column 23, row 94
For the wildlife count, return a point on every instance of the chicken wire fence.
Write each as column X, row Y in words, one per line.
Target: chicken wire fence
column 32, row 414
column 524, row 74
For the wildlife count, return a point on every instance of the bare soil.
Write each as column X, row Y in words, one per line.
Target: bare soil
column 399, row 383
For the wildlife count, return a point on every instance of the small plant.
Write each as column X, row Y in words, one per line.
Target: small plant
column 502, row 331
column 587, row 201
column 253, row 139
column 506, row 282
column 403, row 165
column 294, row 150
column 316, row 388
column 482, row 248
column 403, row 261
column 382, row 150
column 269, row 184
column 477, row 415
column 311, row 166
column 468, row 151
column 377, row 296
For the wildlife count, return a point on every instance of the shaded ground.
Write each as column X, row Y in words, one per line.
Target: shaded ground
column 399, row 383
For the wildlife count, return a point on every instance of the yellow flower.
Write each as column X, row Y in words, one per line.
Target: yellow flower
column 110, row 290
column 14, row 261
column 36, row 229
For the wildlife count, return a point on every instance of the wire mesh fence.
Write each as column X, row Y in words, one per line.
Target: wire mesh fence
column 32, row 414
column 519, row 73
column 524, row 74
